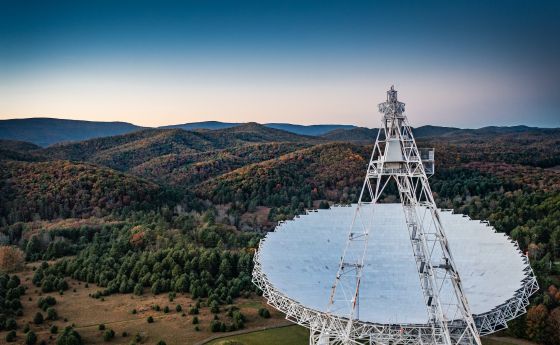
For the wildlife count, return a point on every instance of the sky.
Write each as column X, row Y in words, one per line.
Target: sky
column 152, row 63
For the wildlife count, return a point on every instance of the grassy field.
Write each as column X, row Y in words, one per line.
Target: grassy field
column 297, row 335
column 76, row 307
column 290, row 335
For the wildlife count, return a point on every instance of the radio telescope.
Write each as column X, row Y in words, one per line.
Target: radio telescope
column 400, row 273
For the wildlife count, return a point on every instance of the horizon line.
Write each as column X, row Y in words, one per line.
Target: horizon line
column 266, row 123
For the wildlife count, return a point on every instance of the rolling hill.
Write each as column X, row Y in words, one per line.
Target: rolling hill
column 126, row 151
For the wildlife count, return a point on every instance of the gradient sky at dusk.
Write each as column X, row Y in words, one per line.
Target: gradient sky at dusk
column 152, row 63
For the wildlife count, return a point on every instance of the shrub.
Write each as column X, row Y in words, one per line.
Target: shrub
column 108, row 335
column 124, row 334
column 215, row 326
column 193, row 311
column 178, row 308
column 11, row 336
column 150, row 319
column 263, row 312
column 214, row 307
column 11, row 324
column 38, row 319
column 166, row 309
column 46, row 302
column 54, row 329
column 52, row 314
column 161, row 342
column 101, row 327
column 30, row 338
column 26, row 328
column 195, row 320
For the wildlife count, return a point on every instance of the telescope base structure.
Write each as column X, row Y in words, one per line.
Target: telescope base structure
column 328, row 328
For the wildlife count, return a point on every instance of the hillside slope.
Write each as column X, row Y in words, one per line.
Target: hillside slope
column 185, row 170
column 330, row 171
column 61, row 189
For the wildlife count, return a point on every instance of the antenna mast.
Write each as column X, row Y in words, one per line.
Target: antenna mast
column 395, row 157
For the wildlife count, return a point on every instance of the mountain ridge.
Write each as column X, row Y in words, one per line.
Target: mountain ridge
column 45, row 131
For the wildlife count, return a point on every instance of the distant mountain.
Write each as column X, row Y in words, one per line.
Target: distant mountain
column 17, row 150
column 361, row 134
column 432, row 131
column 315, row 130
column 357, row 134
column 254, row 132
column 203, row 125
column 48, row 131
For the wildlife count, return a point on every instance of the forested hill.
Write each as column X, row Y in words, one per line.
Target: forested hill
column 130, row 150
column 61, row 189
column 188, row 207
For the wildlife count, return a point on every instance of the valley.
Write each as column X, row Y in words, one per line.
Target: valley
column 166, row 217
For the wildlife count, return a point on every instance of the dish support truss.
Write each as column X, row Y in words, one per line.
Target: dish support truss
column 395, row 157
column 449, row 320
column 382, row 334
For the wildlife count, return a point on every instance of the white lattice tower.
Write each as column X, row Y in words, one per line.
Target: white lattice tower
column 395, row 157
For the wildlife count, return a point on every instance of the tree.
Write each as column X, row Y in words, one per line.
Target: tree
column 54, row 329
column 178, row 308
column 554, row 326
column 11, row 259
column 69, row 337
column 30, row 338
column 138, row 289
column 38, row 318
column 536, row 323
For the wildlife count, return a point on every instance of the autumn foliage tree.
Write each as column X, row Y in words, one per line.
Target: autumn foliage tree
column 11, row 259
column 536, row 323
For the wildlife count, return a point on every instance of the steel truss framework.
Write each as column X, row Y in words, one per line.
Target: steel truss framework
column 395, row 157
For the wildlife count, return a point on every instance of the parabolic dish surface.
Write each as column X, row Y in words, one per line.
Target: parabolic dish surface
column 301, row 257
